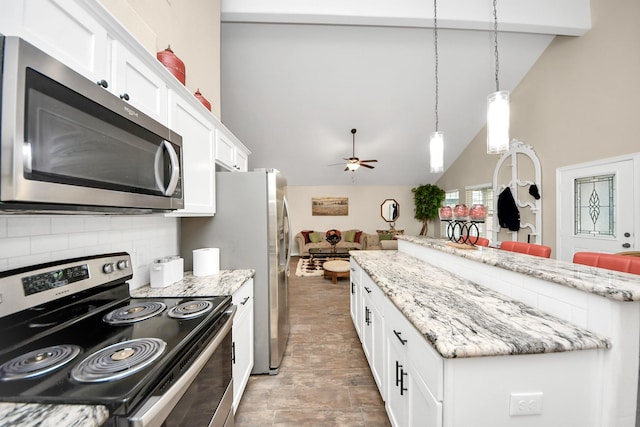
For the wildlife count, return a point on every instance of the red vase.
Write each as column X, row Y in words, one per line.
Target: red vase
column 445, row 212
column 460, row 212
column 478, row 212
column 202, row 99
column 172, row 63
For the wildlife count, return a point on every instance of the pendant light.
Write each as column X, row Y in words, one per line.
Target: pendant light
column 436, row 142
column 497, row 104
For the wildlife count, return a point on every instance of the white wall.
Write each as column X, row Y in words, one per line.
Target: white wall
column 29, row 239
column 364, row 208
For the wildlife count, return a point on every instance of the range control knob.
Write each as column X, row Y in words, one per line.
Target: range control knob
column 122, row 264
column 108, row 268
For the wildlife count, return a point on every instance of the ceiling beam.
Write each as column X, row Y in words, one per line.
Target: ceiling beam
column 557, row 17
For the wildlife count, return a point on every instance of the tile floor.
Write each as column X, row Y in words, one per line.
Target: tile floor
column 324, row 379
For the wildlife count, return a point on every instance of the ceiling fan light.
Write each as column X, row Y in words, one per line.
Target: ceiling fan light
column 353, row 166
column 436, row 152
column 498, row 122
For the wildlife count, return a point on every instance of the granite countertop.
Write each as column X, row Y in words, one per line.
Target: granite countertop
column 34, row 414
column 45, row 415
column 463, row 319
column 224, row 283
column 606, row 283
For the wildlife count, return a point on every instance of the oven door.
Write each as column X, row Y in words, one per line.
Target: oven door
column 202, row 396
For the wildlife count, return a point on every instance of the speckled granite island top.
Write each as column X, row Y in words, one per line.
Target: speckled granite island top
column 224, row 283
column 32, row 415
column 606, row 283
column 463, row 319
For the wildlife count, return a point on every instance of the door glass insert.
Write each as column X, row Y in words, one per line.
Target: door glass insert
column 595, row 206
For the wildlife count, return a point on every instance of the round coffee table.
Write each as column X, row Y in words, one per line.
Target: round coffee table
column 335, row 269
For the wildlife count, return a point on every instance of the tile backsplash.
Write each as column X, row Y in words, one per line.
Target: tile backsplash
column 33, row 239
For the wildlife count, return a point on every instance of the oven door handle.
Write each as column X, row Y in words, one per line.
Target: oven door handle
column 157, row 408
column 175, row 168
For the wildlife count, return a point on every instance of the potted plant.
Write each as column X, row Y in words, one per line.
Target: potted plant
column 428, row 199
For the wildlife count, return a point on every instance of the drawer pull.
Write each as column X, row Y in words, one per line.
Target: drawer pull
column 244, row 301
column 367, row 289
column 397, row 334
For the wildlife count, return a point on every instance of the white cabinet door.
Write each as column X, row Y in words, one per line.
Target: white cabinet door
column 229, row 153
column 396, row 382
column 356, row 298
column 64, row 30
column 373, row 330
column 133, row 81
column 242, row 340
column 424, row 410
column 198, row 162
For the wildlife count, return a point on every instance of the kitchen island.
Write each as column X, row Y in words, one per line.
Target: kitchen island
column 599, row 306
column 227, row 282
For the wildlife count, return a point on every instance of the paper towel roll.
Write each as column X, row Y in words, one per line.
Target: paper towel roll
column 206, row 261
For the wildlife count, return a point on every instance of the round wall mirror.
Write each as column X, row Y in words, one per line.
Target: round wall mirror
column 390, row 210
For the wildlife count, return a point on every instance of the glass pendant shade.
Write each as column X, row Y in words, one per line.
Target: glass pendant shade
column 498, row 122
column 353, row 166
column 436, row 152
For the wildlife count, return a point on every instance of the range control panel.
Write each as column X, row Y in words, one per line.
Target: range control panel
column 28, row 287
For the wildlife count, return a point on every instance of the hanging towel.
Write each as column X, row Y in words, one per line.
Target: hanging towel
column 508, row 214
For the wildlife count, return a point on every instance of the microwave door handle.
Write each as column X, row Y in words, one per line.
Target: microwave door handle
column 175, row 168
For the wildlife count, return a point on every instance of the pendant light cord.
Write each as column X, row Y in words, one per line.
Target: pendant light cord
column 435, row 42
column 495, row 41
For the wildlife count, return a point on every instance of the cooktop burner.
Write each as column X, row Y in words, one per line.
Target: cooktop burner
column 38, row 362
column 134, row 312
column 190, row 309
column 119, row 360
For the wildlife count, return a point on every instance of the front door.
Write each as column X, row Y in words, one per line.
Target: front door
column 597, row 205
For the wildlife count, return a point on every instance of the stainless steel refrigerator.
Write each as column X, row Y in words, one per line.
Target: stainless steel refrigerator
column 251, row 228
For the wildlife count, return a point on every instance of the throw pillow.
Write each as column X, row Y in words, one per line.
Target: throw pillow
column 356, row 238
column 349, row 235
column 315, row 237
column 386, row 236
column 305, row 234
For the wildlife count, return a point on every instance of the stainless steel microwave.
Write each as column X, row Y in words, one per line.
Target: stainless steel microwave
column 70, row 145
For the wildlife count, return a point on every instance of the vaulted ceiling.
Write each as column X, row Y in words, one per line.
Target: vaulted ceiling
column 297, row 76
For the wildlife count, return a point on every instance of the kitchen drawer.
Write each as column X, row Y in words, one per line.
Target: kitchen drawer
column 243, row 295
column 375, row 294
column 356, row 272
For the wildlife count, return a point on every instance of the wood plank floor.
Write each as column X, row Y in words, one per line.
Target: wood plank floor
column 324, row 379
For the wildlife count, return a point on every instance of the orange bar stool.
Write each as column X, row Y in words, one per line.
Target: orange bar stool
column 526, row 248
column 617, row 262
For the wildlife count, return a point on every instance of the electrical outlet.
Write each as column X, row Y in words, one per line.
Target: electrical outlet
column 525, row 404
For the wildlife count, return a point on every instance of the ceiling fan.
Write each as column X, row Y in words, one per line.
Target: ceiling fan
column 353, row 163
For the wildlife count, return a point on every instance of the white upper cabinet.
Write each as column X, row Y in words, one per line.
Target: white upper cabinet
column 230, row 153
column 136, row 83
column 64, row 30
column 198, row 139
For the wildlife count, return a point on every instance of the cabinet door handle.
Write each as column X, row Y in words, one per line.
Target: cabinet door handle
column 233, row 352
column 398, row 367
column 402, row 387
column 367, row 320
column 367, row 289
column 124, row 96
column 353, row 288
column 397, row 334
column 244, row 301
column 103, row 83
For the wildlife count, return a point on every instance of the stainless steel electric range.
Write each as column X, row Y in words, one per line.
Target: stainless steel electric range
column 72, row 334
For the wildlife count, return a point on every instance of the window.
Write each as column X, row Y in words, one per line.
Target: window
column 482, row 194
column 451, row 198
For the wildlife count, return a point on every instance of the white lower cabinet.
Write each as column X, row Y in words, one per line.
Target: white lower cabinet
column 356, row 297
column 409, row 398
column 242, row 340
column 373, row 329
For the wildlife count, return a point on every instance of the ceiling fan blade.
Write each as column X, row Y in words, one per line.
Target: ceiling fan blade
column 346, row 169
column 336, row 164
column 361, row 161
column 366, row 166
